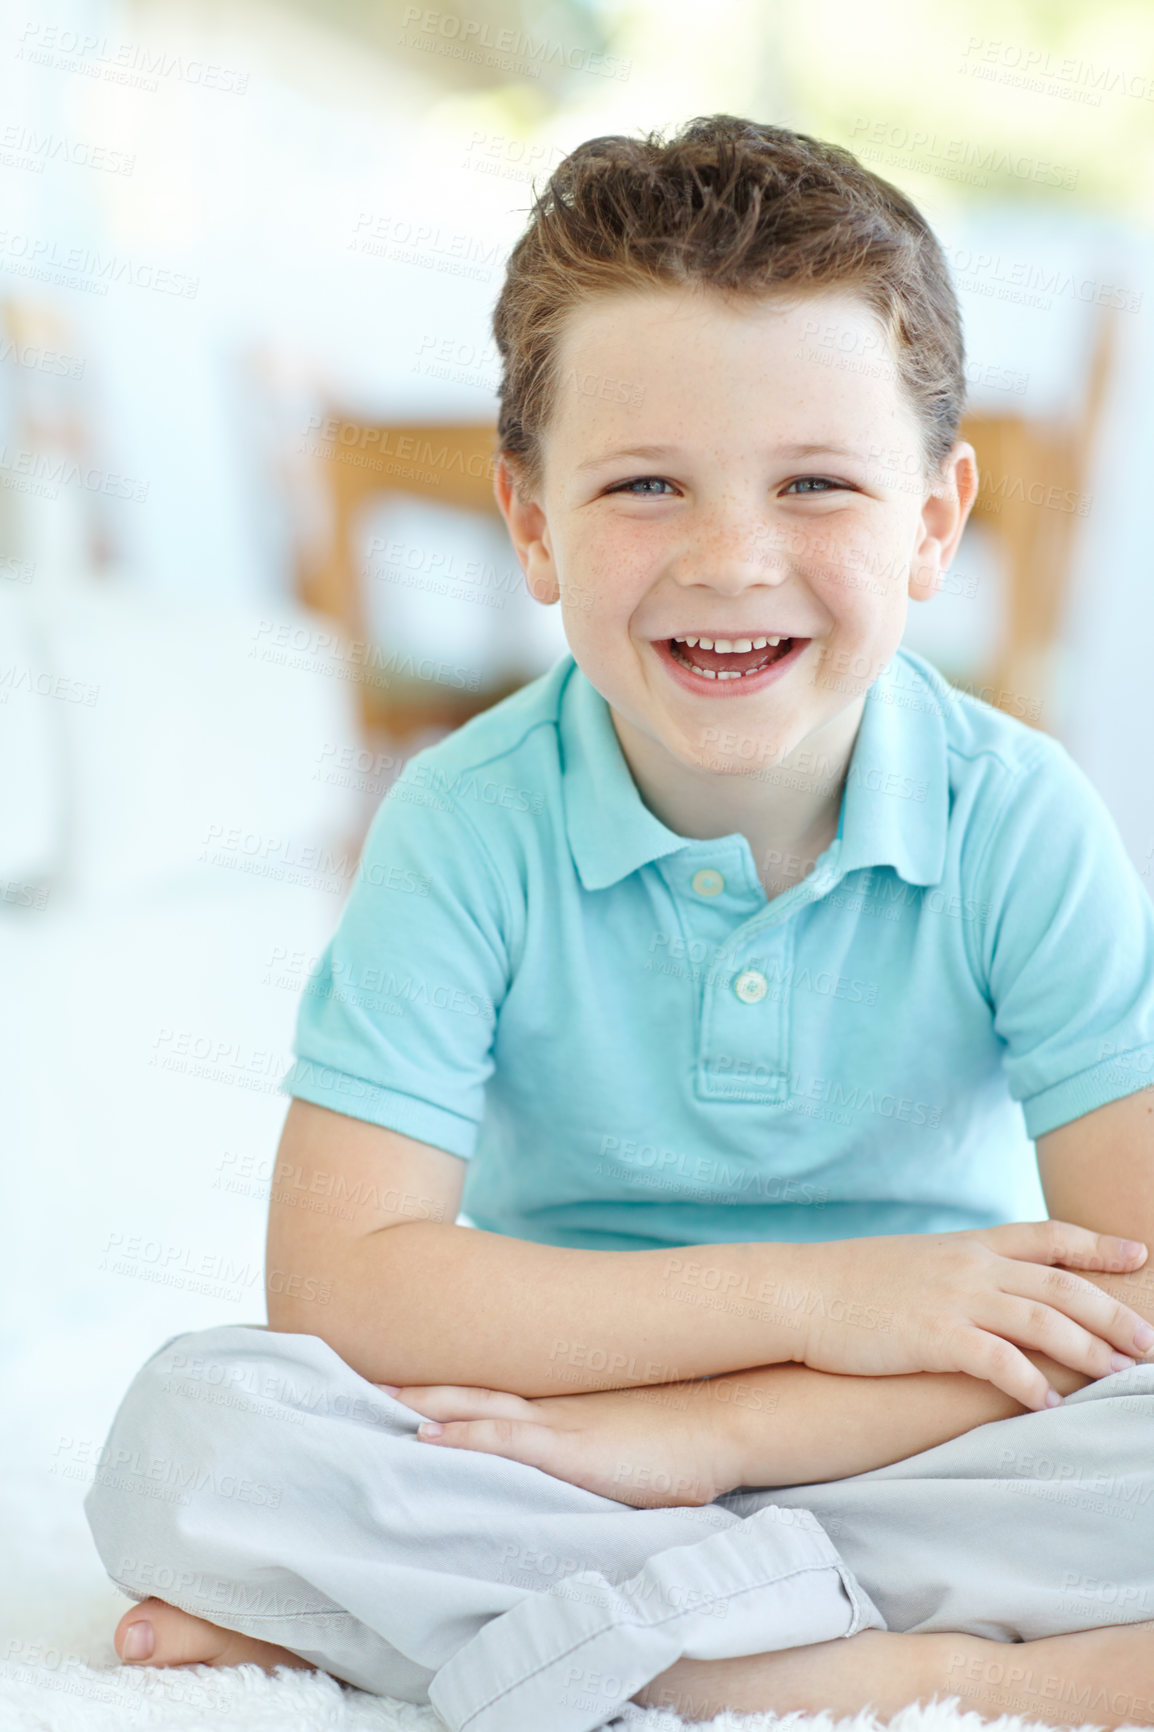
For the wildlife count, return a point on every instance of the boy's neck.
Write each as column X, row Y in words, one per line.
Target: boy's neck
column 788, row 812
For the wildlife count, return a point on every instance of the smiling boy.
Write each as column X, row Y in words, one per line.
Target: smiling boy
column 796, row 1323
column 772, row 487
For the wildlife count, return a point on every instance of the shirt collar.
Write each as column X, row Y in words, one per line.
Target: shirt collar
column 894, row 811
column 611, row 830
column 896, row 807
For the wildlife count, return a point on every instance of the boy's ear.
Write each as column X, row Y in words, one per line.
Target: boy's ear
column 528, row 531
column 944, row 516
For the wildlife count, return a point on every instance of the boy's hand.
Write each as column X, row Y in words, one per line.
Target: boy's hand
column 960, row 1302
column 669, row 1444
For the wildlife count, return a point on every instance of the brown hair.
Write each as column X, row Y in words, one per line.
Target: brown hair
column 739, row 208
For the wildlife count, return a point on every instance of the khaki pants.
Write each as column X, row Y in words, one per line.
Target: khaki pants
column 256, row 1480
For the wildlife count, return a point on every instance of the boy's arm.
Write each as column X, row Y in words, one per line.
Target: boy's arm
column 1097, row 1171
column 773, row 1425
column 797, row 1425
column 363, row 1250
column 789, row 1425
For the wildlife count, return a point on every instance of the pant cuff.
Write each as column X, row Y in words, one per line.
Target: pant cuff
column 571, row 1656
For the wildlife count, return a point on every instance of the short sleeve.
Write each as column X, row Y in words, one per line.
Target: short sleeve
column 397, row 1023
column 1067, row 946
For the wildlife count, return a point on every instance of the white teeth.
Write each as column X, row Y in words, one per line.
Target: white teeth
column 741, row 644
column 717, row 673
column 726, row 645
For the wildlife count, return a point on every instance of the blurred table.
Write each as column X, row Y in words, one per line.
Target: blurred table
column 1032, row 497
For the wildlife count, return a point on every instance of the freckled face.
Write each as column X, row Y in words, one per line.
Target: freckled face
column 678, row 500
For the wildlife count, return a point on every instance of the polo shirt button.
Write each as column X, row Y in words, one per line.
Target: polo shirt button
column 751, row 986
column 707, row 882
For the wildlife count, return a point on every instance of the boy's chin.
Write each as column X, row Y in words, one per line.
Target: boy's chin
column 744, row 752
column 758, row 767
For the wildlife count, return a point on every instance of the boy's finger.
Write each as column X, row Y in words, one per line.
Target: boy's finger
column 459, row 1401
column 563, row 1454
column 1063, row 1242
column 515, row 1439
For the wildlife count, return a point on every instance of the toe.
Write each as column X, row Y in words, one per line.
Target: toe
column 135, row 1638
column 157, row 1634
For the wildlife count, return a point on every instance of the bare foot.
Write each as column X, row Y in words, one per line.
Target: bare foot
column 1104, row 1677
column 154, row 1633
column 882, row 1669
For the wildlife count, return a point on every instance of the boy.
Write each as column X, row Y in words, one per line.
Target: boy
column 724, row 975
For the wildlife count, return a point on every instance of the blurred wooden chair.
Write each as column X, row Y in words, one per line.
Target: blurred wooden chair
column 356, row 463
column 1032, row 497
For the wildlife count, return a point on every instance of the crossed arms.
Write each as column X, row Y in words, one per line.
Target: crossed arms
column 412, row 1299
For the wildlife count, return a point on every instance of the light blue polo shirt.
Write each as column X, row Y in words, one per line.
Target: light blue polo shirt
column 632, row 1047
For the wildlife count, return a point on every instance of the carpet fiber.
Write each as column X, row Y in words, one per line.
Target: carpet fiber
column 85, row 1698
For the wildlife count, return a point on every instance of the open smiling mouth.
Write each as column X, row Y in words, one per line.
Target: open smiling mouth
column 697, row 662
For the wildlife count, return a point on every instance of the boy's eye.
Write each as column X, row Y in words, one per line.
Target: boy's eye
column 645, row 486
column 643, row 481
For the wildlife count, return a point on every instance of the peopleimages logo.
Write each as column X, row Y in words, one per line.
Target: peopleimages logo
column 1039, row 69
column 959, row 158
column 480, row 40
column 989, row 273
column 127, row 63
column 84, row 268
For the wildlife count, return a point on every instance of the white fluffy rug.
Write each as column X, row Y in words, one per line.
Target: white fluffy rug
column 77, row 1685
column 71, row 1696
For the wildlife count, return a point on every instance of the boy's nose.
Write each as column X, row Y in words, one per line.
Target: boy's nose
column 736, row 544
column 729, row 564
